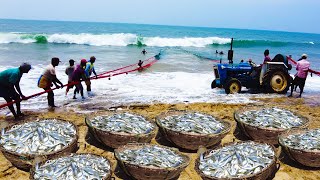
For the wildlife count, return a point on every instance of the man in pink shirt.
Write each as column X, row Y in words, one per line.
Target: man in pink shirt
column 302, row 72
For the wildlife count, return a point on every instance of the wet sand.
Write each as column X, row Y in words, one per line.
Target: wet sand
column 87, row 144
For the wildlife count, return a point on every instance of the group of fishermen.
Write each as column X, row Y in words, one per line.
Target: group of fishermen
column 10, row 79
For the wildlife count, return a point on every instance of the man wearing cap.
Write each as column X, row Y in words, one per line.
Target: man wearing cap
column 9, row 85
column 69, row 72
column 89, row 70
column 48, row 77
column 302, row 72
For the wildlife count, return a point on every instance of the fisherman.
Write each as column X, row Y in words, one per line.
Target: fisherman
column 69, row 71
column 10, row 88
column 77, row 76
column 47, row 78
column 302, row 72
column 144, row 52
column 89, row 70
column 266, row 56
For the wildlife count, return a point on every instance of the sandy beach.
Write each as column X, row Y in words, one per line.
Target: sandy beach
column 87, row 144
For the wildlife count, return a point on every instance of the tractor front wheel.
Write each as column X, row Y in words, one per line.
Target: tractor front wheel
column 233, row 86
column 213, row 84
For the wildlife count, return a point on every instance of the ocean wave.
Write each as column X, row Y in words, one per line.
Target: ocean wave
column 128, row 39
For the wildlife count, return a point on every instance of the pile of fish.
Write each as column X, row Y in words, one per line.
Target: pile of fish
column 309, row 140
column 193, row 123
column 271, row 118
column 75, row 166
column 237, row 160
column 151, row 156
column 38, row 137
column 124, row 122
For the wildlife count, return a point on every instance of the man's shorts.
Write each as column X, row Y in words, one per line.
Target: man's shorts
column 299, row 81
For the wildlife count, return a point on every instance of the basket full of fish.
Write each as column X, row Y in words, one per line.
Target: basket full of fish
column 240, row 160
column 73, row 167
column 22, row 142
column 266, row 124
column 189, row 130
column 146, row 161
column 119, row 129
column 302, row 146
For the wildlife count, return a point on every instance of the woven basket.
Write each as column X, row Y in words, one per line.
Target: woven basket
column 305, row 157
column 150, row 172
column 25, row 161
column 265, row 173
column 107, row 177
column 264, row 134
column 191, row 141
column 116, row 139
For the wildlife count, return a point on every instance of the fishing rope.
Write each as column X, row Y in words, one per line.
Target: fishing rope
column 108, row 74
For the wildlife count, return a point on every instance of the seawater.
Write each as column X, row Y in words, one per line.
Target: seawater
column 183, row 74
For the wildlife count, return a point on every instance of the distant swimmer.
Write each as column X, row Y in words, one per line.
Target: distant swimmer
column 9, row 85
column 144, row 52
column 217, row 52
column 140, row 63
column 48, row 77
column 221, row 53
column 302, row 72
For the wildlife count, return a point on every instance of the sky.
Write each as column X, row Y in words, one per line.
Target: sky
column 279, row 15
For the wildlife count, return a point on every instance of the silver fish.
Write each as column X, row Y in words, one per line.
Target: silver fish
column 309, row 140
column 236, row 160
column 193, row 122
column 271, row 118
column 125, row 122
column 152, row 156
column 38, row 137
column 73, row 167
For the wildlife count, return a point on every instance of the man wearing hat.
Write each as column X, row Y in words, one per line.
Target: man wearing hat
column 9, row 85
column 69, row 72
column 302, row 72
column 48, row 77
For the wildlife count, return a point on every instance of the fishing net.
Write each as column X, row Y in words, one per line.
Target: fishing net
column 302, row 146
column 146, row 161
column 189, row 130
column 266, row 124
column 22, row 142
column 240, row 160
column 118, row 129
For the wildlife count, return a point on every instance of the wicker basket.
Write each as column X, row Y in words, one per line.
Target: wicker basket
column 191, row 141
column 107, row 177
column 305, row 157
column 150, row 172
column 264, row 134
column 25, row 161
column 116, row 139
column 265, row 173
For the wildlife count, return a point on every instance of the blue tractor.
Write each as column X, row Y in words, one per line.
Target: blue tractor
column 271, row 77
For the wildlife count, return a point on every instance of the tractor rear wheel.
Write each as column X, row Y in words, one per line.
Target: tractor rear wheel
column 233, row 86
column 213, row 84
column 277, row 81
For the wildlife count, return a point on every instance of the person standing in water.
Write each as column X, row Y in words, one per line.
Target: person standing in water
column 10, row 88
column 89, row 69
column 302, row 72
column 266, row 56
column 47, row 78
column 77, row 76
column 69, row 72
column 144, row 52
